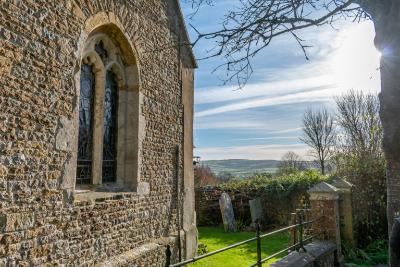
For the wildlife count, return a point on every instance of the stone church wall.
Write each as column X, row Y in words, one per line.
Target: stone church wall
column 42, row 219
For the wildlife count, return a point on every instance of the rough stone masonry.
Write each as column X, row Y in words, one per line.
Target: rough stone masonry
column 46, row 219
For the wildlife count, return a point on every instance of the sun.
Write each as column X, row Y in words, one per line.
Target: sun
column 355, row 60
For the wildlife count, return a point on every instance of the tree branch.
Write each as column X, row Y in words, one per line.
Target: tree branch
column 251, row 27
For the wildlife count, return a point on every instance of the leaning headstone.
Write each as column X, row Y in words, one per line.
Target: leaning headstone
column 228, row 216
column 256, row 210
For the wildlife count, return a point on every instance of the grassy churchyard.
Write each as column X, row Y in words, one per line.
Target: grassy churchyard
column 244, row 255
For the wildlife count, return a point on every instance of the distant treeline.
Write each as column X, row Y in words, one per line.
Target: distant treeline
column 243, row 168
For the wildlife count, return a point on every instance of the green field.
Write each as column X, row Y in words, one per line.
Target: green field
column 244, row 255
column 242, row 167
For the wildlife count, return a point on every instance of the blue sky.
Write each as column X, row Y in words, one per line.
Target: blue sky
column 263, row 120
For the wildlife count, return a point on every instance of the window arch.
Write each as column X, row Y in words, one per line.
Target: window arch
column 109, row 128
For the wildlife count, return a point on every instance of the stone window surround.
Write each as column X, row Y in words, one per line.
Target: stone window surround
column 121, row 61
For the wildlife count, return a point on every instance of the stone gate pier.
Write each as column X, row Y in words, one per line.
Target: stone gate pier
column 331, row 207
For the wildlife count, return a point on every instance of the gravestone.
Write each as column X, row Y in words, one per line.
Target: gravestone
column 256, row 210
column 228, row 216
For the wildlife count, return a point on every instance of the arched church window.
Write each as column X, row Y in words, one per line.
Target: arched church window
column 84, row 166
column 108, row 139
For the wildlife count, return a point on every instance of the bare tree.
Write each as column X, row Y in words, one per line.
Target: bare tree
column 203, row 176
column 359, row 158
column 290, row 162
column 358, row 117
column 319, row 134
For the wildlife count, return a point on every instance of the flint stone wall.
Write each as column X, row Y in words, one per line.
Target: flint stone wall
column 43, row 221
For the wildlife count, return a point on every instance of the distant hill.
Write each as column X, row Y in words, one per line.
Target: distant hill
column 242, row 167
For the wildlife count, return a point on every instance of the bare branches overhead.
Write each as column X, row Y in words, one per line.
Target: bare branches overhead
column 250, row 27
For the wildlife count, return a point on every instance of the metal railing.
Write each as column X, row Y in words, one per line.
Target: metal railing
column 258, row 238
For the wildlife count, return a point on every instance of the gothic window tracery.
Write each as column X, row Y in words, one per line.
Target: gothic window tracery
column 108, row 120
column 101, row 51
column 109, row 106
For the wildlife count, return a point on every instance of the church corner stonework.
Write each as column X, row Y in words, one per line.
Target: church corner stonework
column 125, row 215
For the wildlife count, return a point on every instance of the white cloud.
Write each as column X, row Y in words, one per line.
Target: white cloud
column 265, row 122
column 262, row 88
column 346, row 67
column 290, row 130
column 228, row 124
column 267, row 138
column 309, row 96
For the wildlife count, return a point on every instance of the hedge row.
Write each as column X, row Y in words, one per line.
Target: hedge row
column 279, row 195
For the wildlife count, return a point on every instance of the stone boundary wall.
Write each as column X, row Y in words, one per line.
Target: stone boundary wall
column 276, row 208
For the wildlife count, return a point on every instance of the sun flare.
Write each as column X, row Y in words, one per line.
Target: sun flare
column 355, row 60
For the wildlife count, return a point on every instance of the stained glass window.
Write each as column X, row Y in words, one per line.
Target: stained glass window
column 84, row 164
column 110, row 128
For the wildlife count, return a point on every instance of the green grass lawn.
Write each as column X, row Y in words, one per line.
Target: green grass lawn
column 244, row 255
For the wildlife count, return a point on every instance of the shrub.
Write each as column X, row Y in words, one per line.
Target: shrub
column 202, row 249
column 368, row 175
column 280, row 196
column 375, row 253
column 283, row 185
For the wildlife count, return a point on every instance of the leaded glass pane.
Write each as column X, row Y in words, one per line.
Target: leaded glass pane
column 110, row 128
column 84, row 164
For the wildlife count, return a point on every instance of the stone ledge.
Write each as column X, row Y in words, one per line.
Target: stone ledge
column 99, row 197
column 101, row 193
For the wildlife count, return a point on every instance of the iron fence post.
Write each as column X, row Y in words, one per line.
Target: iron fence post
column 258, row 245
column 301, row 231
column 293, row 231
